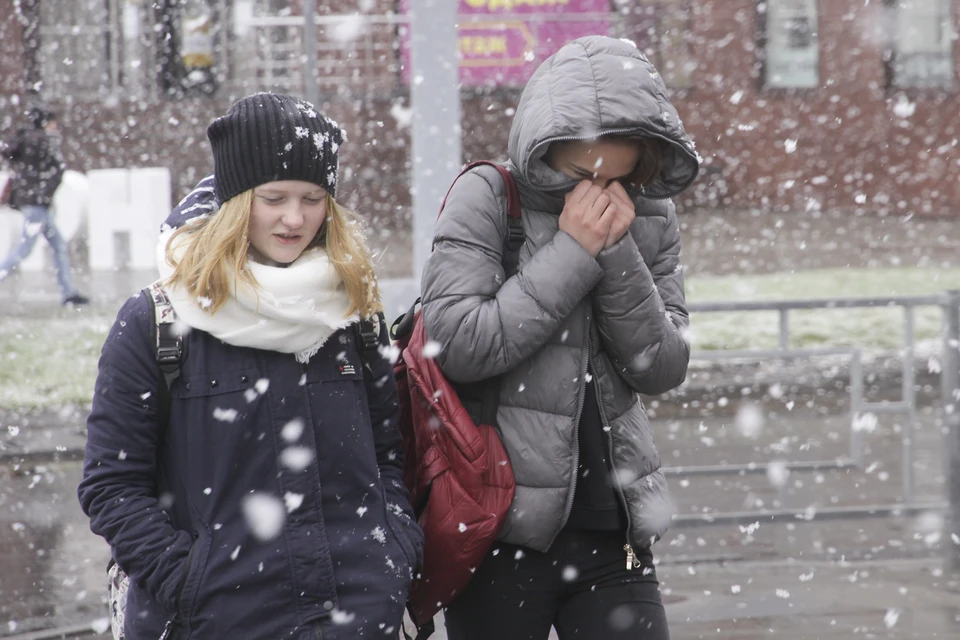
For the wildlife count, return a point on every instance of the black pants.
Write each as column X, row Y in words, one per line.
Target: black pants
column 581, row 587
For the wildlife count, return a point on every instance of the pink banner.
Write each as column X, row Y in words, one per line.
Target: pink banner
column 501, row 42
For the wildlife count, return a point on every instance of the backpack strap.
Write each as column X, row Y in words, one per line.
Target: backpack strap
column 490, row 388
column 368, row 334
column 403, row 325
column 515, row 235
column 170, row 346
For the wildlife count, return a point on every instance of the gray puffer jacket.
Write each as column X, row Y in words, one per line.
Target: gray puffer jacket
column 565, row 316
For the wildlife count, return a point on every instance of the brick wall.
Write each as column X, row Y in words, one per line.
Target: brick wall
column 11, row 47
column 852, row 152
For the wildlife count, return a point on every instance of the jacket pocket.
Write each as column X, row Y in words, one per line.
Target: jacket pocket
column 196, row 562
column 402, row 528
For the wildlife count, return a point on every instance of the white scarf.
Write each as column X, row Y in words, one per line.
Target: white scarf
column 295, row 309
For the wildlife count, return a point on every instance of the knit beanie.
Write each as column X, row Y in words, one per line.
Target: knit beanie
column 267, row 137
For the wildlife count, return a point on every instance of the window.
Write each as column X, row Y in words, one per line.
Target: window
column 791, row 46
column 661, row 28
column 355, row 51
column 139, row 47
column 189, row 41
column 921, row 52
column 74, row 52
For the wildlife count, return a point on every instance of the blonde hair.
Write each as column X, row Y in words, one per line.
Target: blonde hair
column 217, row 251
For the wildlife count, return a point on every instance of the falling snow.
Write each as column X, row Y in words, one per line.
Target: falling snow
column 264, row 514
column 296, row 459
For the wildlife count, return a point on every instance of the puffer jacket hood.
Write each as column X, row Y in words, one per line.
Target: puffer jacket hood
column 579, row 93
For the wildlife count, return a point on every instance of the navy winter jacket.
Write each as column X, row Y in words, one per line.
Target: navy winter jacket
column 170, row 500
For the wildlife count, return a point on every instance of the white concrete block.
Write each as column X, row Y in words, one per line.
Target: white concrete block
column 70, row 204
column 126, row 208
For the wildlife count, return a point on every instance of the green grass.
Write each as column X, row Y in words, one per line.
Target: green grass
column 877, row 329
column 52, row 363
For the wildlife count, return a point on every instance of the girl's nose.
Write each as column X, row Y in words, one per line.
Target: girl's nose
column 292, row 216
column 603, row 183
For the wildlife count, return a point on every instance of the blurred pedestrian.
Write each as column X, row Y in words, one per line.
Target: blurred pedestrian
column 37, row 166
column 269, row 503
column 593, row 316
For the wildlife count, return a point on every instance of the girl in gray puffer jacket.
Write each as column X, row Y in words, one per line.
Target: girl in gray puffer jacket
column 593, row 317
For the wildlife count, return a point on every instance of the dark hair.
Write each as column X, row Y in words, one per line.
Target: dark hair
column 39, row 116
column 649, row 165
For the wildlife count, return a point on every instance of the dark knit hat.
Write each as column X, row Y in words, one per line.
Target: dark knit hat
column 267, row 137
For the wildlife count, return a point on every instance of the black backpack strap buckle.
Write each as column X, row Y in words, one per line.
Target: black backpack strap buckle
column 515, row 235
column 368, row 332
column 169, row 346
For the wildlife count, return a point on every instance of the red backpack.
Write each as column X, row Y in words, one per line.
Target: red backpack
column 458, row 473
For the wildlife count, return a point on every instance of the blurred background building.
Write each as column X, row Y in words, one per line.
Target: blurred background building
column 795, row 105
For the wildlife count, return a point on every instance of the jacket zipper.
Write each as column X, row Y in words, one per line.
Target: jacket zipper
column 576, row 436
column 632, row 561
column 609, row 132
column 169, row 628
column 305, row 369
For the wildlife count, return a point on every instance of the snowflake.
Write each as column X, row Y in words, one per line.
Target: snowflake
column 341, row 617
column 292, row 501
column 225, row 415
column 307, row 109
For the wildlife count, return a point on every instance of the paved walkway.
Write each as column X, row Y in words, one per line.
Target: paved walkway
column 715, row 586
column 787, row 581
column 894, row 600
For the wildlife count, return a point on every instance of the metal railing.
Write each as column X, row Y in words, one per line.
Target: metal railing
column 949, row 303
